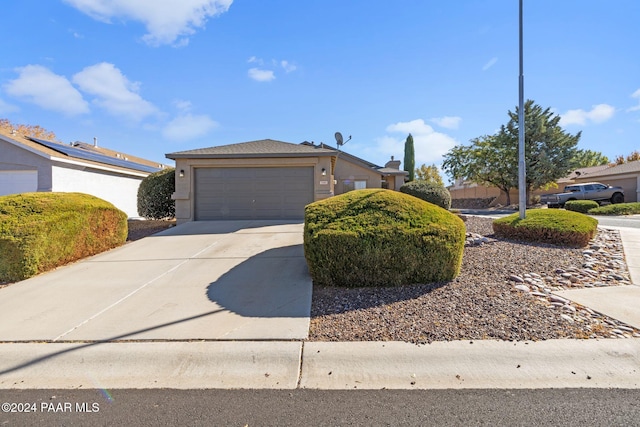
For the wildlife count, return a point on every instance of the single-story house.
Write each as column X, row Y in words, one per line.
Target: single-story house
column 626, row 176
column 31, row 164
column 269, row 179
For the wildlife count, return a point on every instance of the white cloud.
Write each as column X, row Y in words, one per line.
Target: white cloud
column 429, row 145
column 447, row 122
column 188, row 126
column 489, row 64
column 113, row 91
column 635, row 94
column 42, row 87
column 598, row 114
column 266, row 73
column 182, row 105
column 261, row 75
column 288, row 67
column 167, row 21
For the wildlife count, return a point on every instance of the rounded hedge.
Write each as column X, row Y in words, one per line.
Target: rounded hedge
column 154, row 195
column 381, row 237
column 558, row 227
column 617, row 209
column 581, row 206
column 41, row 231
column 429, row 192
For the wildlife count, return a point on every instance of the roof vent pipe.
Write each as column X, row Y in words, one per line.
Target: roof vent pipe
column 95, row 141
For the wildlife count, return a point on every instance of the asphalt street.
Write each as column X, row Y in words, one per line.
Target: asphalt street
column 163, row 407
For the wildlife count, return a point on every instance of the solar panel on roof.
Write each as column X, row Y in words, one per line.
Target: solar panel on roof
column 80, row 153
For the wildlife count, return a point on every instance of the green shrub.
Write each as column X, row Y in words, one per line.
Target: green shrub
column 617, row 209
column 558, row 227
column 429, row 192
column 581, row 206
column 41, row 231
column 154, row 195
column 381, row 237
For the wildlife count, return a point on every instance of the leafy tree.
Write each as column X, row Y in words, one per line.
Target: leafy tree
column 27, row 130
column 429, row 174
column 634, row 156
column 549, row 152
column 409, row 157
column 588, row 158
column 488, row 160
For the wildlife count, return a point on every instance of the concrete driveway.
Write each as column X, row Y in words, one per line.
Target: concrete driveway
column 200, row 280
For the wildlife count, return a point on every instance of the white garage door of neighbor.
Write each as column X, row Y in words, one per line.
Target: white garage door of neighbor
column 18, row 181
column 252, row 193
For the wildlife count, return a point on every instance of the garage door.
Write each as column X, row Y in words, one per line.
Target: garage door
column 252, row 193
column 14, row 182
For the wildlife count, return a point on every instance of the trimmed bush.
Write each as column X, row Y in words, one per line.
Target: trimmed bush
column 429, row 192
column 41, row 231
column 581, row 206
column 381, row 237
column 154, row 195
column 558, row 227
column 617, row 209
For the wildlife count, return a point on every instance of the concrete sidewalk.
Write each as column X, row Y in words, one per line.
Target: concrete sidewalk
column 322, row 365
column 620, row 302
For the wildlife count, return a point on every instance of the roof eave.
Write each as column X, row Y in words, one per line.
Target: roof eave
column 175, row 156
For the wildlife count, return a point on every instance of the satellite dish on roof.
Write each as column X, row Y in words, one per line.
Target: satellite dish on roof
column 340, row 140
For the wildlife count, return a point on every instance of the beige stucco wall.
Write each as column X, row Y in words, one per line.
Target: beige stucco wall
column 323, row 184
column 346, row 170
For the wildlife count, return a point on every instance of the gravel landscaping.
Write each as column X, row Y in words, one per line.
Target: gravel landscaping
column 503, row 292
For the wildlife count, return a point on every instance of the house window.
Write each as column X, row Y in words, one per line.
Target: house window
column 349, row 185
column 359, row 185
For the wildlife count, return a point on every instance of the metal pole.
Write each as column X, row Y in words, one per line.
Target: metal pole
column 522, row 189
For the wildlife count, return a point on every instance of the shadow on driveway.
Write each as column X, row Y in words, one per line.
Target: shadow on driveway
column 273, row 283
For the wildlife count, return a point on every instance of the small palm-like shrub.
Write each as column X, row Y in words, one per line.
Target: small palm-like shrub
column 154, row 195
column 582, row 206
column 429, row 192
column 381, row 238
column 41, row 231
column 617, row 209
column 558, row 227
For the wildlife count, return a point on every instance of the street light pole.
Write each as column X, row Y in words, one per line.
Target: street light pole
column 522, row 190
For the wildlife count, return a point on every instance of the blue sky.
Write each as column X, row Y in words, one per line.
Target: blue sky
column 150, row 77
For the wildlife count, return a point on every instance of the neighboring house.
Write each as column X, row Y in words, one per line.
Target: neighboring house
column 31, row 164
column 626, row 176
column 267, row 179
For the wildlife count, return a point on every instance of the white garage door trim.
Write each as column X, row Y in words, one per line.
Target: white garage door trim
column 18, row 181
column 252, row 192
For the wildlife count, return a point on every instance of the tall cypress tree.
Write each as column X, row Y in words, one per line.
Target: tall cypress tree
column 409, row 157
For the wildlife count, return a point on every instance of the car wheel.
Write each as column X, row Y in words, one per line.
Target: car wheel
column 617, row 198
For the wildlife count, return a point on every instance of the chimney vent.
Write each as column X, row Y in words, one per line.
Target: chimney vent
column 95, row 141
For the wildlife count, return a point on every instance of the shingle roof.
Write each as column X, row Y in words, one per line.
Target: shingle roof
column 392, row 171
column 260, row 148
column 630, row 167
column 363, row 162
